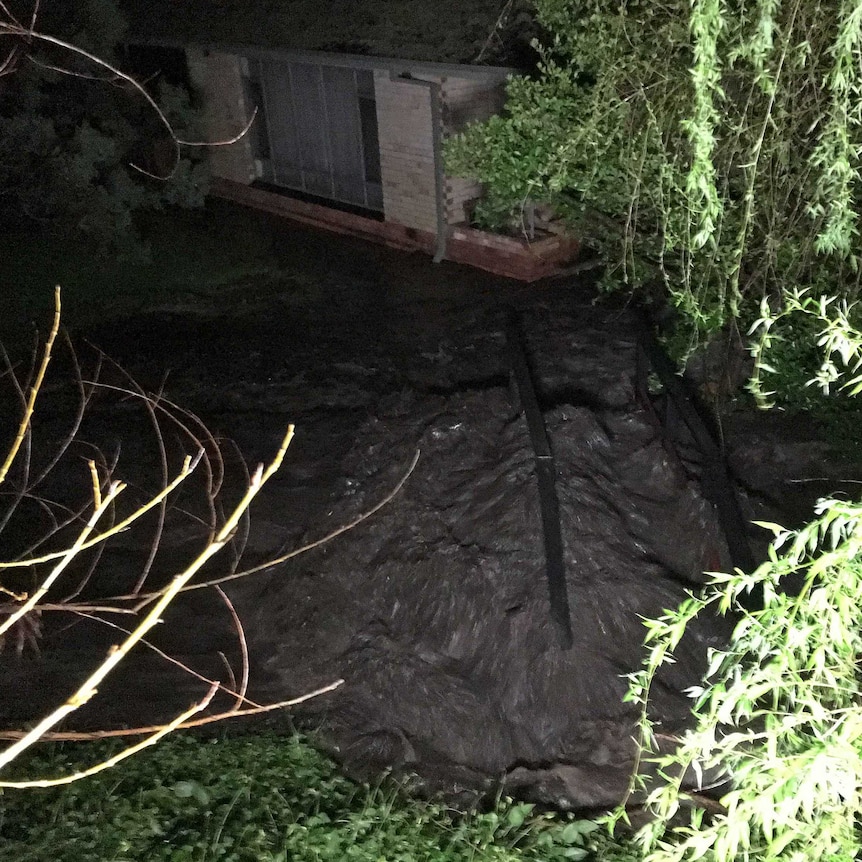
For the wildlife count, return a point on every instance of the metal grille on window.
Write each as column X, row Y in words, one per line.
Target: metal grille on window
column 318, row 130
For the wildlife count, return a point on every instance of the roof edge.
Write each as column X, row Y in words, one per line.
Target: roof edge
column 394, row 65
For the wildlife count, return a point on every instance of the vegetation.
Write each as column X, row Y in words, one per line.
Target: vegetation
column 777, row 722
column 713, row 150
column 709, row 151
column 249, row 798
column 265, row 799
column 708, row 148
column 81, row 147
column 54, row 539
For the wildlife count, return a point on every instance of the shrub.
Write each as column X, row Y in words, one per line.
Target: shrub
column 710, row 149
column 71, row 130
column 777, row 721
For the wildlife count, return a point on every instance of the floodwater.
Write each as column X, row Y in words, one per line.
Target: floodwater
column 434, row 610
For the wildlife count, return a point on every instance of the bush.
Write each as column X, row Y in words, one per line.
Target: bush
column 71, row 130
column 708, row 149
column 777, row 721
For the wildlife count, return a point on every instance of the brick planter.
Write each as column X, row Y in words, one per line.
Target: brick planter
column 511, row 257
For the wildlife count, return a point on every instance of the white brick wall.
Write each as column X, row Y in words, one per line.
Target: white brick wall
column 406, row 134
column 218, row 77
column 466, row 100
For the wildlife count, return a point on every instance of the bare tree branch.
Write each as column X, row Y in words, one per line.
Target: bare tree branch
column 12, row 28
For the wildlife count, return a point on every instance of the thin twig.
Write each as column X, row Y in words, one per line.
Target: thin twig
column 13, row 29
column 230, row 673
column 163, row 460
column 67, row 607
column 8, row 13
column 90, row 735
column 65, row 558
column 494, row 34
column 188, row 467
column 34, row 390
column 824, row 479
column 117, row 653
column 305, row 548
column 243, row 644
column 213, row 467
column 126, row 752
column 169, row 658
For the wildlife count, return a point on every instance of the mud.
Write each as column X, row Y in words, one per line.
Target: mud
column 434, row 610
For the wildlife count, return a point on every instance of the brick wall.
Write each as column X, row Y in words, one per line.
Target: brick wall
column 464, row 101
column 405, row 118
column 218, row 78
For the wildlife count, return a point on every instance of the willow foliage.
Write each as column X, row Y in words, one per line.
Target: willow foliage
column 712, row 145
column 777, row 722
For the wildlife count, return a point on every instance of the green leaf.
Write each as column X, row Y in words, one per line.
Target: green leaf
column 184, row 789
column 516, row 815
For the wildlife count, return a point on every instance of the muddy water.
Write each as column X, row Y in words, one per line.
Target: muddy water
column 434, row 611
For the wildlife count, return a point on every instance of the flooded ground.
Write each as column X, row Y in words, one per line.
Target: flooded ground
column 434, row 610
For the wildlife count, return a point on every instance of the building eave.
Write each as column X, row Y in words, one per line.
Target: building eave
column 395, row 66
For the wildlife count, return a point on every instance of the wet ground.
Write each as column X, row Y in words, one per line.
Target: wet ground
column 435, row 610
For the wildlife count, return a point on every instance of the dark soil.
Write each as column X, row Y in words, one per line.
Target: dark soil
column 435, row 610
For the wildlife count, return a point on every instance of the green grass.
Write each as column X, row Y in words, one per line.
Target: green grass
column 263, row 799
column 195, row 252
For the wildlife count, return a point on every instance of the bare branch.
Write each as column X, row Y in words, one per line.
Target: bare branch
column 8, row 13
column 162, row 654
column 188, row 467
column 34, row 390
column 14, row 29
column 87, row 736
column 67, row 607
column 86, row 691
column 117, row 758
column 317, row 543
column 243, row 645
column 163, row 458
column 66, row 557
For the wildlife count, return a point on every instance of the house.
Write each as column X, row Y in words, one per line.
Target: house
column 361, row 133
column 353, row 141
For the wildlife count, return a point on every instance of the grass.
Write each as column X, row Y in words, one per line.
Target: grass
column 264, row 798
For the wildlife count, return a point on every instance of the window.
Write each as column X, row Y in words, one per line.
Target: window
column 318, row 130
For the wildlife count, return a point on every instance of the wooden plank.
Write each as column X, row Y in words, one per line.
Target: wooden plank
column 546, row 473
